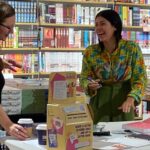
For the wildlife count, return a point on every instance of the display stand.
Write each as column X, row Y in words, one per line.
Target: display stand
column 69, row 120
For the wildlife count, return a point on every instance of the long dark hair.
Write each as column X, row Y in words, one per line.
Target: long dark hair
column 6, row 11
column 115, row 20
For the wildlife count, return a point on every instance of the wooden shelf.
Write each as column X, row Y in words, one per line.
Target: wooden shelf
column 67, row 25
column 78, row 2
column 97, row 3
column 83, row 26
column 63, row 49
column 133, row 5
column 18, row 49
column 25, row 74
column 26, row 24
column 133, row 27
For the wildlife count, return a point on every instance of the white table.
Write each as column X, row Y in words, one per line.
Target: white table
column 114, row 127
column 29, row 144
column 119, row 136
column 32, row 144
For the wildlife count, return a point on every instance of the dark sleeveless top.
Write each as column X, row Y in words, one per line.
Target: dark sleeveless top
column 2, row 82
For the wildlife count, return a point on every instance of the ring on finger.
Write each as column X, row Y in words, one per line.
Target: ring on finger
column 17, row 131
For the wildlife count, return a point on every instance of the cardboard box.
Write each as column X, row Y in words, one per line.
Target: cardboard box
column 69, row 127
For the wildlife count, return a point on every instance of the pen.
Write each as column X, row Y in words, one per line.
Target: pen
column 90, row 79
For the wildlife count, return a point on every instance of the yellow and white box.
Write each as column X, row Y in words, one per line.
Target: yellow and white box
column 69, row 127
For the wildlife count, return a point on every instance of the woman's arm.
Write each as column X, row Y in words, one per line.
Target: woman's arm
column 139, row 75
column 138, row 80
column 13, row 129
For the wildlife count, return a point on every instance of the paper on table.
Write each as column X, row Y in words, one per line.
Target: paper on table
column 129, row 141
column 109, row 147
column 34, row 142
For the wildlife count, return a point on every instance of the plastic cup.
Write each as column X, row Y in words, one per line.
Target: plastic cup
column 41, row 133
column 28, row 124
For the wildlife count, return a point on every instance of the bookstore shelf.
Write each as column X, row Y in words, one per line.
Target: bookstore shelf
column 63, row 49
column 133, row 28
column 26, row 24
column 84, row 26
column 19, row 49
column 67, row 25
column 133, row 4
column 42, row 59
column 50, row 30
column 113, row 2
column 78, row 2
column 28, row 75
column 25, row 74
column 82, row 16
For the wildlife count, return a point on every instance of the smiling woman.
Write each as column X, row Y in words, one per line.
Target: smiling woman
column 7, row 22
column 119, row 65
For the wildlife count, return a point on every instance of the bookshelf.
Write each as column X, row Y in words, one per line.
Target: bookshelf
column 136, row 4
column 78, row 25
column 75, row 22
column 41, row 59
column 26, row 24
column 62, row 49
column 89, row 2
column 22, row 45
column 18, row 49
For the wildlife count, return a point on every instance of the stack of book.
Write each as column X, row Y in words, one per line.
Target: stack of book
column 139, row 126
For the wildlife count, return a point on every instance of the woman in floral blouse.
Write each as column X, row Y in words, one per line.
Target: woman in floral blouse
column 113, row 71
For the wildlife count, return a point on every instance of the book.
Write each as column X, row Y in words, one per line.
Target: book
column 138, row 126
column 48, row 37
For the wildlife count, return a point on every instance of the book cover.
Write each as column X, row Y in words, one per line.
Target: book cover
column 138, row 126
column 48, row 37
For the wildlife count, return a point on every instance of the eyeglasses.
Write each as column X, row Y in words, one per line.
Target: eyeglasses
column 9, row 28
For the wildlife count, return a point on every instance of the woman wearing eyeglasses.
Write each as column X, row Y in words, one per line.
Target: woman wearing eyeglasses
column 7, row 22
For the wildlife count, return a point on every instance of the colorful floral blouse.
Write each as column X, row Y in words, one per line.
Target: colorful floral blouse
column 125, row 63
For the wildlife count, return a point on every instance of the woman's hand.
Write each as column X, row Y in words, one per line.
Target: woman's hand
column 11, row 64
column 18, row 131
column 94, row 84
column 127, row 105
